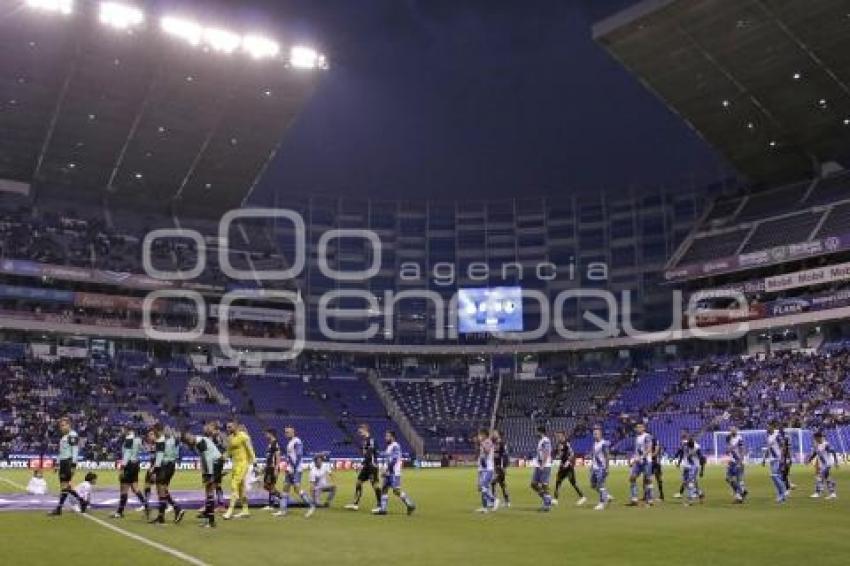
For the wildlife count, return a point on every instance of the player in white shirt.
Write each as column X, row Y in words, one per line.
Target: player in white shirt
column 542, row 469
column 773, row 454
column 293, row 456
column 392, row 477
column 735, row 465
column 37, row 484
column 641, row 466
column 84, row 490
column 599, row 468
column 486, row 470
column 692, row 462
column 320, row 480
column 827, row 459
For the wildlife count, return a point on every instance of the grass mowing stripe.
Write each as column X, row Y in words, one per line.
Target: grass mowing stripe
column 14, row 484
column 139, row 538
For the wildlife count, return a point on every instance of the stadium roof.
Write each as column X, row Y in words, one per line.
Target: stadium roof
column 173, row 117
column 767, row 82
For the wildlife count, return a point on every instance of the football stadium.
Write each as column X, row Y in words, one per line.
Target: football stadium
column 424, row 282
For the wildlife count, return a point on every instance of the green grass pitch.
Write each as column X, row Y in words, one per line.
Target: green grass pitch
column 445, row 530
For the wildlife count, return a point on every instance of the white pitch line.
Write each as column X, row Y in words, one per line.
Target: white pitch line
column 14, row 484
column 139, row 538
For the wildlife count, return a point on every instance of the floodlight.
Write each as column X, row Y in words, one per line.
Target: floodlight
column 260, row 47
column 60, row 6
column 187, row 30
column 222, row 40
column 302, row 57
column 120, row 16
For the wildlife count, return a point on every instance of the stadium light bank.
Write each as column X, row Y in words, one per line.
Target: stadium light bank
column 129, row 18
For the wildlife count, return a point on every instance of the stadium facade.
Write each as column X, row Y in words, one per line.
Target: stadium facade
column 617, row 242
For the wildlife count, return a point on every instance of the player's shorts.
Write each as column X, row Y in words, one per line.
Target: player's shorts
column 129, row 473
column 292, row 478
column 392, row 482
column 500, row 475
column 641, row 469
column 269, row 476
column 485, row 478
column 823, row 472
column 565, row 471
column 598, row 477
column 66, row 470
column 689, row 474
column 776, row 467
column 657, row 470
column 165, row 473
column 368, row 474
column 218, row 470
column 207, row 470
column 734, row 471
column 541, row 475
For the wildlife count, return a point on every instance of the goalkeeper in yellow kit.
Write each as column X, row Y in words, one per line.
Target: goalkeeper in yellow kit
column 241, row 453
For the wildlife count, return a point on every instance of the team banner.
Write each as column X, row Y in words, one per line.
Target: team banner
column 113, row 302
column 826, row 301
column 779, row 307
column 761, row 258
column 807, row 278
column 254, row 314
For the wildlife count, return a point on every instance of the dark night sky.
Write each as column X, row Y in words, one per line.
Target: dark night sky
column 474, row 99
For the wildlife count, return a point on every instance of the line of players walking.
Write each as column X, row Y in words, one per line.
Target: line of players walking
column 646, row 470
column 213, row 447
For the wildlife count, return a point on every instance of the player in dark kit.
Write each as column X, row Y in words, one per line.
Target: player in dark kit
column 368, row 469
column 567, row 469
column 208, row 454
column 69, row 450
column 164, row 465
column 657, row 469
column 503, row 460
column 150, row 480
column 214, row 432
column 131, row 446
column 271, row 469
column 787, row 460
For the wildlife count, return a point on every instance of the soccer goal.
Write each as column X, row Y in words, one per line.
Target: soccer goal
column 755, row 443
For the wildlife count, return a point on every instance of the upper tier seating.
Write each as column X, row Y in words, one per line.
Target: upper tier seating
column 802, row 206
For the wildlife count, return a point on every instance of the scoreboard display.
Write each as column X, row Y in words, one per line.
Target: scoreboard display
column 494, row 309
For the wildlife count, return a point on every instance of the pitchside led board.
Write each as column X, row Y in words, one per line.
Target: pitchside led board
column 495, row 309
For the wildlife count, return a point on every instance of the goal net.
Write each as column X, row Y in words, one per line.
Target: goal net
column 755, row 443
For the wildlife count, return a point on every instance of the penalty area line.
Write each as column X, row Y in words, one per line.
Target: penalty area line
column 138, row 538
